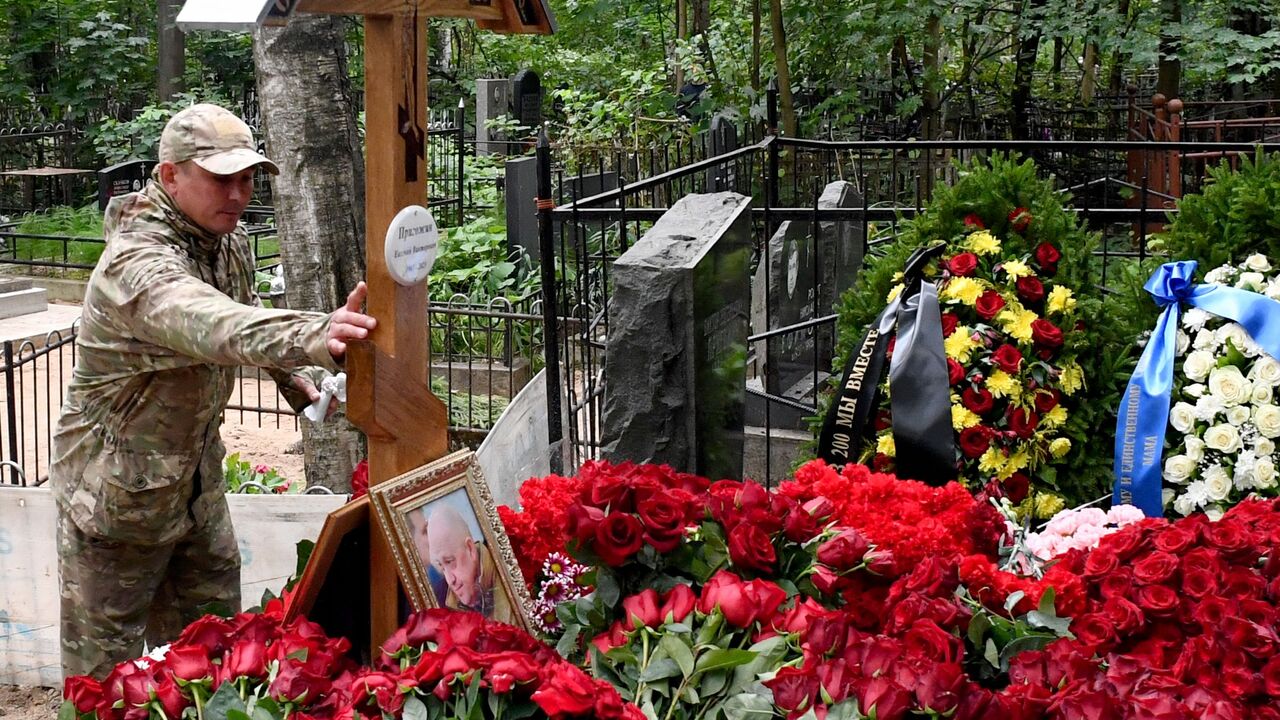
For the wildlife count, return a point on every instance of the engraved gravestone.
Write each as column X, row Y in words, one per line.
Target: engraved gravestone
column 675, row 371
column 493, row 101
column 722, row 138
column 526, row 98
column 520, row 188
column 122, row 179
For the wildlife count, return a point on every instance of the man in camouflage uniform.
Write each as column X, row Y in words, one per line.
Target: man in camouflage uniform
column 144, row 535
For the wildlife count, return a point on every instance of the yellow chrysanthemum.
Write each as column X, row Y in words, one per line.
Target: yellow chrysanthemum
column 1016, row 462
column 1060, row 300
column 1047, row 505
column 963, row 289
column 983, row 243
column 962, row 417
column 1001, row 384
column 1054, row 418
column 1016, row 269
column 960, row 344
column 992, row 461
column 1060, row 447
column 1072, row 378
column 894, row 292
column 1017, row 324
column 885, row 446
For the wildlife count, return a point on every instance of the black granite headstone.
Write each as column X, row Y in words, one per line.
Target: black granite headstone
column 577, row 187
column 675, row 370
column 722, row 138
column 122, row 179
column 526, row 98
column 521, row 190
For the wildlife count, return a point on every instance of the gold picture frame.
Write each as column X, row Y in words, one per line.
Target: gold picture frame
column 448, row 541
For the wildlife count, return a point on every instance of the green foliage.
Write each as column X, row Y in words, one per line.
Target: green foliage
column 139, row 138
column 72, row 223
column 466, row 410
column 240, row 474
column 1234, row 216
column 473, row 261
column 994, row 638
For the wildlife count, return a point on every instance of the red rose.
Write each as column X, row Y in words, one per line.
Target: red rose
column 1016, row 487
column 137, row 689
column 955, row 372
column 1175, row 539
column 209, row 632
column 793, row 688
column 1271, row 676
column 989, row 305
column 664, row 514
column 677, row 604
column 566, row 692
column 360, row 479
column 582, row 521
column 1023, row 422
column 1096, row 631
column 1020, row 219
column 979, row 401
column 609, row 491
column 1117, row 584
column 1046, row 334
column 84, row 692
column 1233, row 541
column 975, row 440
column 1156, row 567
column 949, row 323
column 296, row 685
column 751, row 548
column 1158, row 600
column 1008, row 358
column 825, row 580
column 1030, row 289
column 618, row 537
column 247, row 659
column 189, row 662
column 963, row 265
column 509, row 669
column 1125, row 542
column 1047, row 400
column 615, row 636
column 1102, row 561
column 973, row 220
column 642, row 610
column 1124, row 615
column 845, row 551
column 741, row 603
column 886, row 698
column 802, row 523
column 1047, row 257
column 170, row 698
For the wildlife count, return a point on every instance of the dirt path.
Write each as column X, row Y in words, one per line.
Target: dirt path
column 24, row 703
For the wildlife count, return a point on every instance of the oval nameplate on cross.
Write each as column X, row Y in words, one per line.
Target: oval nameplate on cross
column 410, row 249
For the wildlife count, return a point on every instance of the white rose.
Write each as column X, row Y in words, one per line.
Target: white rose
column 1178, row 469
column 1195, row 318
column 1205, row 340
column 1262, row 447
column 1233, row 332
column 1198, row 365
column 1273, row 289
column 1219, row 275
column 1228, row 384
column 1237, row 415
column 1214, row 513
column 1195, row 448
column 1223, row 438
column 1183, row 343
column 1195, row 390
column 1166, row 496
column 1258, row 263
column 1217, row 483
column 1251, row 281
column 1182, row 417
column 1183, row 505
column 1264, row 473
column 1267, row 419
column 1261, row 394
column 1267, row 370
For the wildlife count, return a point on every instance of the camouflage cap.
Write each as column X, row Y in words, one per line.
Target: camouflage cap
column 214, row 138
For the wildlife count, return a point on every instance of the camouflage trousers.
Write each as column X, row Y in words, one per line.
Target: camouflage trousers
column 116, row 595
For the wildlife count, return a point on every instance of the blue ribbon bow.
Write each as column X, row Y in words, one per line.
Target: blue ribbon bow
column 1144, row 409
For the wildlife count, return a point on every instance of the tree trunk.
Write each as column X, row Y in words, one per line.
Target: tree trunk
column 1169, row 78
column 783, row 71
column 311, row 133
column 682, row 32
column 1089, row 83
column 171, row 50
column 756, row 35
column 1020, row 100
column 932, row 125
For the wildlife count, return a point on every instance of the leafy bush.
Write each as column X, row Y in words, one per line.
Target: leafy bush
column 1233, row 216
column 240, row 474
column 474, row 261
column 138, row 139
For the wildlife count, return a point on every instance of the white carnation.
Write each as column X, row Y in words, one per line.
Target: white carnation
column 1198, row 493
column 1267, row 370
column 1258, row 263
column 1267, row 420
column 1195, row 318
column 1219, row 275
column 1273, row 289
column 1208, row 407
column 1223, row 438
column 1251, row 281
column 1178, row 469
column 1195, row 448
column 1228, row 384
column 1238, row 415
column 1194, row 390
column 1182, row 417
column 1198, row 365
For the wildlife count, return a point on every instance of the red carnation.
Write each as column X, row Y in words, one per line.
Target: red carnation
column 1008, row 358
column 963, row 265
column 1023, row 422
column 1047, row 257
column 1020, row 219
column 975, row 440
column 979, row 401
column 1030, row 289
column 989, row 304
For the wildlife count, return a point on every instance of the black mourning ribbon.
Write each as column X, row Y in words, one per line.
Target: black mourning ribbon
column 920, row 392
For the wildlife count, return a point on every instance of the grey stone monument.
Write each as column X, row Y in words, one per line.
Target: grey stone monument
column 675, row 371
column 520, row 187
column 493, row 100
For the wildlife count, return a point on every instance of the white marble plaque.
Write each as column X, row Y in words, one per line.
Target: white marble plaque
column 410, row 249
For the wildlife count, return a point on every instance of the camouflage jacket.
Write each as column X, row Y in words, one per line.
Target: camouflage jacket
column 169, row 313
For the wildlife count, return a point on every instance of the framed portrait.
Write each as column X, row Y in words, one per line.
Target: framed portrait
column 450, row 547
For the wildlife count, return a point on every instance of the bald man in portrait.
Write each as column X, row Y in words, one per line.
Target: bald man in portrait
column 467, row 566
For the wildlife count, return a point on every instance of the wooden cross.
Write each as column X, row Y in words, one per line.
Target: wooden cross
column 388, row 393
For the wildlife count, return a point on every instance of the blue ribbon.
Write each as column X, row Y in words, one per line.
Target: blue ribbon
column 1144, row 409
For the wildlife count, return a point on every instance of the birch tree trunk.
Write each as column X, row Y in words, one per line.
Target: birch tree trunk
column 309, row 120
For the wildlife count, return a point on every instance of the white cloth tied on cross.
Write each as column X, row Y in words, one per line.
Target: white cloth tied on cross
column 331, row 387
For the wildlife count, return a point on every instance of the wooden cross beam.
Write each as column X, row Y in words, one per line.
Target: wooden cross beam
column 388, row 393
